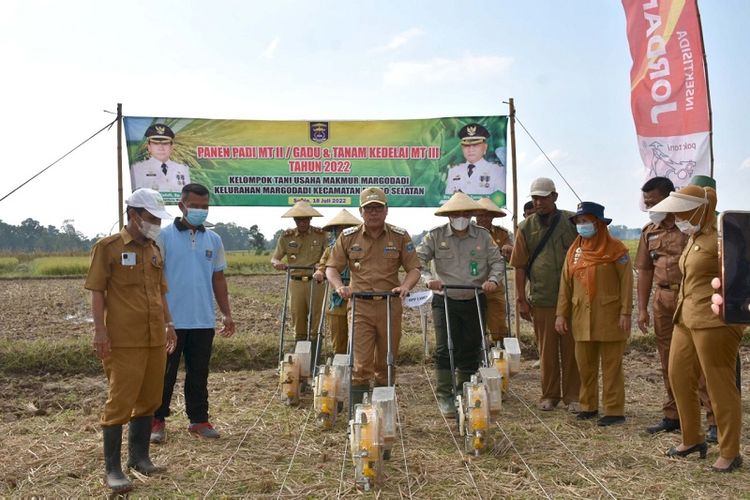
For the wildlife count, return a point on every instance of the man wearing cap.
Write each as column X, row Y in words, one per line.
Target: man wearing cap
column 497, row 325
column 458, row 253
column 158, row 172
column 476, row 175
column 302, row 246
column 656, row 260
column 374, row 252
column 194, row 265
column 336, row 312
column 538, row 256
column 133, row 332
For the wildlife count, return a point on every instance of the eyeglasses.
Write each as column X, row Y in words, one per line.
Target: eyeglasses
column 373, row 207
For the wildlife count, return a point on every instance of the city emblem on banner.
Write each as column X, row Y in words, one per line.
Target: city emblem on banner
column 319, row 131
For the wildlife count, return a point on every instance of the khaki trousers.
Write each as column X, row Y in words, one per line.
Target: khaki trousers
column 370, row 340
column 556, row 357
column 663, row 312
column 339, row 328
column 136, row 382
column 299, row 305
column 497, row 320
column 589, row 354
column 713, row 350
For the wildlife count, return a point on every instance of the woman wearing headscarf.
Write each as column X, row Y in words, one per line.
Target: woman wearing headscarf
column 702, row 341
column 595, row 305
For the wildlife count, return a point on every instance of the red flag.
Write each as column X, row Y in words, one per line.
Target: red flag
column 669, row 94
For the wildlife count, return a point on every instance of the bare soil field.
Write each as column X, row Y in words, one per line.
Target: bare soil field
column 51, row 440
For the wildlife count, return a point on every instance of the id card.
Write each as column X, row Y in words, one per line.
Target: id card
column 128, row 259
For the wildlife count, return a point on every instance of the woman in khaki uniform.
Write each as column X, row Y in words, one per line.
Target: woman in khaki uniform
column 701, row 340
column 595, row 303
column 336, row 309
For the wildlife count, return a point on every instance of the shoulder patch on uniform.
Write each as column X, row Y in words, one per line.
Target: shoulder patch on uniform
column 350, row 230
column 398, row 230
column 288, row 232
column 410, row 247
column 317, row 229
column 481, row 227
column 624, row 259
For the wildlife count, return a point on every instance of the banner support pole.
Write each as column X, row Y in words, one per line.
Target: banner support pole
column 514, row 176
column 708, row 92
column 119, row 165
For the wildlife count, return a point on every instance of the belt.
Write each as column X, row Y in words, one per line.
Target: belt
column 301, row 278
column 674, row 287
column 371, row 297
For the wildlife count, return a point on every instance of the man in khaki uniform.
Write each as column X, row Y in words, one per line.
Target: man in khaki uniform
column 374, row 253
column 458, row 253
column 594, row 306
column 131, row 315
column 336, row 312
column 659, row 250
column 540, row 263
column 497, row 324
column 302, row 246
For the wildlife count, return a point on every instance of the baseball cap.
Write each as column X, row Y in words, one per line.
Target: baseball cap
column 372, row 195
column 542, row 187
column 150, row 200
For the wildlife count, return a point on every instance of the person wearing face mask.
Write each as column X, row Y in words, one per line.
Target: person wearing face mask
column 194, row 265
column 336, row 311
column 542, row 241
column 458, row 253
column 158, row 171
column 594, row 307
column 659, row 249
column 133, row 332
column 700, row 340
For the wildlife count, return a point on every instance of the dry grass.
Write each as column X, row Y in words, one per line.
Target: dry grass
column 52, row 441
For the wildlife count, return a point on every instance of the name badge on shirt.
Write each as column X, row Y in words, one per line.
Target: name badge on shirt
column 128, row 259
column 209, row 254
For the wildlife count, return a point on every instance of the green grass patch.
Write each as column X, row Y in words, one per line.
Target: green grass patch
column 248, row 263
column 8, row 264
column 632, row 247
column 60, row 266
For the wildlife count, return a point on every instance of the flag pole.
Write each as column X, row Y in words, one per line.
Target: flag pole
column 119, row 165
column 514, row 177
column 708, row 91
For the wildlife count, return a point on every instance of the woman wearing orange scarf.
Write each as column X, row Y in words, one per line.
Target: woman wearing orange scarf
column 701, row 340
column 595, row 305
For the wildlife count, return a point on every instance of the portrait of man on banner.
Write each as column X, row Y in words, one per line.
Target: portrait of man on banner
column 158, row 171
column 476, row 175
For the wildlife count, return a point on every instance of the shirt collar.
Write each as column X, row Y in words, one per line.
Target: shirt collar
column 181, row 226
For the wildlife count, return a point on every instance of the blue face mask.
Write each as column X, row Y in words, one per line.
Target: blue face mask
column 586, row 230
column 196, row 216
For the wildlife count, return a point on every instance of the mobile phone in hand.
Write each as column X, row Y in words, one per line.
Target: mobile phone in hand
column 734, row 256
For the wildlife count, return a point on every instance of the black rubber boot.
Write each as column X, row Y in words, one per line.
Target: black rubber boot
column 115, row 479
column 462, row 377
column 139, row 440
column 446, row 402
column 358, row 391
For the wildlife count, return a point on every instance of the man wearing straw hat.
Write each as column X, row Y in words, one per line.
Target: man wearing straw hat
column 302, row 246
column 336, row 312
column 461, row 253
column 497, row 326
column 374, row 252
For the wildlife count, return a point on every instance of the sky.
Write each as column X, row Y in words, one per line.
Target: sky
column 565, row 64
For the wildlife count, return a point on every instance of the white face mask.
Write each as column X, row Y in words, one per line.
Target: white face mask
column 686, row 227
column 148, row 230
column 459, row 223
column 657, row 217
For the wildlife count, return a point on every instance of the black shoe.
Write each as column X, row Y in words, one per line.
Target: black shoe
column 736, row 464
column 712, row 434
column 666, row 425
column 701, row 448
column 587, row 415
column 608, row 420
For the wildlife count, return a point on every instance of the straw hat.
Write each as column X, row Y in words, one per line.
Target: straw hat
column 343, row 218
column 490, row 207
column 302, row 209
column 459, row 202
